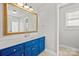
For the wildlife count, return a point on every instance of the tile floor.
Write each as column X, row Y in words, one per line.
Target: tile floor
column 67, row 52
column 44, row 53
column 62, row 52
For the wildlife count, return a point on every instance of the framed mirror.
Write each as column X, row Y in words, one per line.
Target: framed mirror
column 18, row 20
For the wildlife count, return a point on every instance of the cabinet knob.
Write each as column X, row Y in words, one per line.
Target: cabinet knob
column 22, row 54
column 14, row 50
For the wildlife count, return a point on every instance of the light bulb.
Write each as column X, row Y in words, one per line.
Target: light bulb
column 26, row 7
column 20, row 4
column 31, row 9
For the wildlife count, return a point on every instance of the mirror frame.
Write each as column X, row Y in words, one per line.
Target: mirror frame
column 5, row 19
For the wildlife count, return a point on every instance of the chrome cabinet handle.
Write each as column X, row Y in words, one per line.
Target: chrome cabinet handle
column 33, row 48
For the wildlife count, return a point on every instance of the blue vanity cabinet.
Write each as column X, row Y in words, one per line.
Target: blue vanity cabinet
column 30, row 48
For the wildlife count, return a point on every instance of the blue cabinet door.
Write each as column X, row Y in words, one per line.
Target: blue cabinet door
column 10, row 50
column 7, row 51
column 35, row 50
column 32, row 50
column 28, row 51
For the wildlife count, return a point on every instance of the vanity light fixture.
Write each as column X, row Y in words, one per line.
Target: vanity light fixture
column 24, row 5
column 20, row 4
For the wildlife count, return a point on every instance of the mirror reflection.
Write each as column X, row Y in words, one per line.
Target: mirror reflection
column 20, row 20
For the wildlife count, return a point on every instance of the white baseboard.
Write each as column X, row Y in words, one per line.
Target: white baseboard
column 65, row 46
column 52, row 53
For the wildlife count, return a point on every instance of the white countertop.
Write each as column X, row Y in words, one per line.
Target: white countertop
column 7, row 43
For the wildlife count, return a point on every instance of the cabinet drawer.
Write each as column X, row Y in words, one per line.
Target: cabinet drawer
column 30, row 43
column 19, row 47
